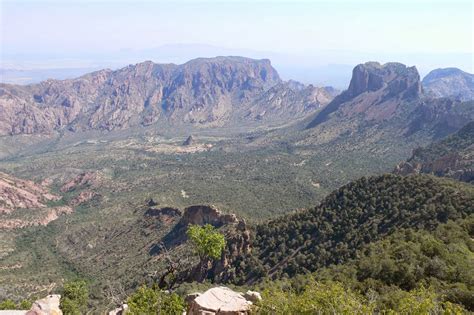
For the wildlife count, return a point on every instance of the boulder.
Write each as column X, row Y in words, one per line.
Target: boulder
column 219, row 301
column 119, row 310
column 151, row 202
column 47, row 306
column 253, row 296
column 189, row 141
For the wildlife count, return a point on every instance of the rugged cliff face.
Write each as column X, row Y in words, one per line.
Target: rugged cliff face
column 391, row 97
column 375, row 91
column 201, row 92
column 391, row 79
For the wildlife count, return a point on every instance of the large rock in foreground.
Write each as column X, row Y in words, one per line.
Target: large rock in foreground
column 219, row 300
column 46, row 306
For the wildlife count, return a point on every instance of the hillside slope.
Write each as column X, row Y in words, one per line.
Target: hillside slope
column 359, row 213
column 24, row 203
column 389, row 99
column 408, row 272
column 451, row 157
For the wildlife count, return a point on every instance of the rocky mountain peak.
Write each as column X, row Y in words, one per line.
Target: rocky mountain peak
column 397, row 77
column 441, row 73
column 450, row 82
column 375, row 92
column 230, row 72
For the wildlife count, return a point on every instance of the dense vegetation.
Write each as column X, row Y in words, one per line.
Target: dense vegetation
column 408, row 272
column 458, row 142
column 441, row 259
column 334, row 298
column 255, row 182
column 356, row 214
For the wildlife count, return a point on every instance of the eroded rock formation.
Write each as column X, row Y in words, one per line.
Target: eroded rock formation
column 25, row 203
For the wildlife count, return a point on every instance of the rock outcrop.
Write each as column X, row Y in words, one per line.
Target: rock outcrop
column 202, row 214
column 238, row 244
column 122, row 310
column 83, row 180
column 47, row 306
column 201, row 92
column 220, row 301
column 16, row 193
column 388, row 99
column 237, row 235
column 25, row 203
column 164, row 215
column 451, row 157
column 189, row 141
column 450, row 82
column 375, row 91
column 394, row 78
column 196, row 215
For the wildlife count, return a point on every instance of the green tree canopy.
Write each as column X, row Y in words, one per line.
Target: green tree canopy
column 207, row 241
column 75, row 297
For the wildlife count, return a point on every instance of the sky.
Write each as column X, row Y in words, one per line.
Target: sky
column 72, row 33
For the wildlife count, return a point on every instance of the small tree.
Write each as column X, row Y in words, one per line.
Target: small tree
column 208, row 242
column 75, row 297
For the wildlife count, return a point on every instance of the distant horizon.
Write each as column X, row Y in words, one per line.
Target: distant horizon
column 332, row 74
column 299, row 37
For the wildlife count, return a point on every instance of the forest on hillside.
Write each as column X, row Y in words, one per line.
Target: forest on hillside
column 359, row 213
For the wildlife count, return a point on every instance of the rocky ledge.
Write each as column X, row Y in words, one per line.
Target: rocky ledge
column 220, row 301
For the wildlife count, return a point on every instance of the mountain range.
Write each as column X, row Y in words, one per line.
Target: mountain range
column 230, row 91
column 116, row 164
column 202, row 92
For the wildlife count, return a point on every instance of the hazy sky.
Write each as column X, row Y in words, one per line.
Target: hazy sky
column 83, row 29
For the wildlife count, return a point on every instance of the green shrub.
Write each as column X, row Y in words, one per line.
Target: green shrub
column 7, row 305
column 148, row 301
column 315, row 298
column 25, row 305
